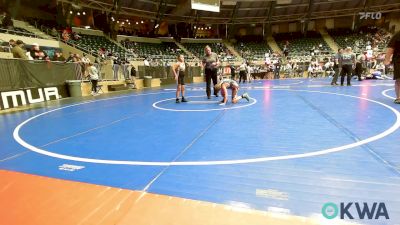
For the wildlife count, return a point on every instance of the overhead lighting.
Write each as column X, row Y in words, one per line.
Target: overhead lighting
column 129, row 23
column 123, row 23
column 70, row 12
column 87, row 27
column 209, row 28
column 127, row 20
column 84, row 13
column 78, row 13
column 137, row 23
column 117, row 21
column 157, row 25
column 194, row 27
column 141, row 21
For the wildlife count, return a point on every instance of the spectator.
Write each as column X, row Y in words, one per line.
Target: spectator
column 94, row 77
column 54, row 32
column 70, row 57
column 38, row 54
column 65, row 36
column 17, row 50
column 7, row 22
column 58, row 57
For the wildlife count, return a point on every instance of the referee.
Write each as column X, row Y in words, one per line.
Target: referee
column 210, row 65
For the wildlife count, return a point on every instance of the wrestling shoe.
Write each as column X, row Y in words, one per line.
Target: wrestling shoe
column 246, row 96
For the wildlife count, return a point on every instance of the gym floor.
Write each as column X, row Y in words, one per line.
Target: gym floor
column 140, row 158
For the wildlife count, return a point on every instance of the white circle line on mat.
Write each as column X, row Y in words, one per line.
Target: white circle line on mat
column 390, row 130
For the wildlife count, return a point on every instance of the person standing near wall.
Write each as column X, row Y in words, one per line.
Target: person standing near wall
column 116, row 65
column 94, row 77
column 393, row 51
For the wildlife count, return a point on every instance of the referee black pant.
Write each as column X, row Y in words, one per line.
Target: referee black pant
column 211, row 75
column 346, row 70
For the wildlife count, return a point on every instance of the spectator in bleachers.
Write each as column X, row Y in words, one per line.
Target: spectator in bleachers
column 76, row 58
column 7, row 46
column 38, row 54
column 7, row 22
column 58, row 56
column 312, row 70
column 75, row 36
column 329, row 71
column 54, row 32
column 286, row 50
column 18, row 51
column 297, row 69
column 288, row 68
column 28, row 54
column 65, row 35
column 146, row 62
column 70, row 57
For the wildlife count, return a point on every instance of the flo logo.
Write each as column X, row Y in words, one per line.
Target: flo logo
column 350, row 210
column 372, row 15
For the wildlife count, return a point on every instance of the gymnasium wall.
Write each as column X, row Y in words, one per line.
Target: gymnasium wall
column 394, row 22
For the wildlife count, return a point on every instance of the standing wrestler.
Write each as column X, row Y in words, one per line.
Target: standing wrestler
column 179, row 72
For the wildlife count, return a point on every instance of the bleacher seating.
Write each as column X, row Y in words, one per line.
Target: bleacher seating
column 19, row 31
column 198, row 50
column 147, row 49
column 253, row 50
column 300, row 45
column 93, row 43
column 357, row 40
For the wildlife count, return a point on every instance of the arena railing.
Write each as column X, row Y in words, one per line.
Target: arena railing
column 19, row 33
column 165, row 72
